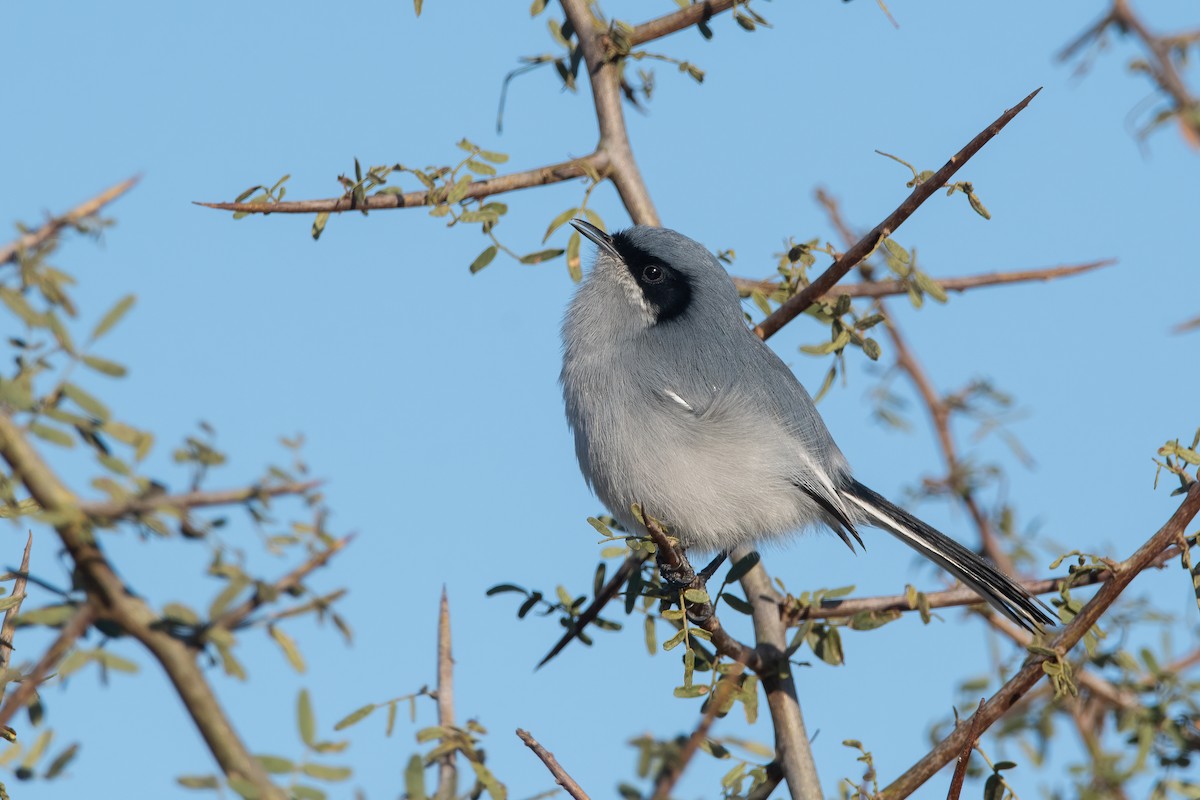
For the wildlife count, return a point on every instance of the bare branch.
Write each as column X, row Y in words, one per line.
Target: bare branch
column 948, row 598
column 8, row 629
column 111, row 600
column 75, row 627
column 939, row 413
column 889, row 288
column 605, row 77
column 447, row 785
column 960, row 768
column 677, row 21
column 541, row 176
column 793, row 750
column 1068, row 637
column 560, row 775
column 865, row 246
column 1188, row 325
column 33, row 239
column 115, row 510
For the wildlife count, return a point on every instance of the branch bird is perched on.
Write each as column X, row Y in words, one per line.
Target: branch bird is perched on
column 678, row 407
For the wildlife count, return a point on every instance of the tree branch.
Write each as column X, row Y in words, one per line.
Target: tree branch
column 34, row 239
column 112, row 601
column 720, row 696
column 793, row 750
column 1160, row 65
column 560, row 775
column 541, row 176
column 289, row 582
column 684, row 18
column 605, row 77
column 75, row 627
column 865, row 246
column 1068, row 637
column 10, row 616
column 447, row 785
column 109, row 510
column 889, row 288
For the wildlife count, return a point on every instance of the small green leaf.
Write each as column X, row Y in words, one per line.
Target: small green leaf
column 113, row 316
column 318, row 226
column 559, row 221
column 305, row 721
column 288, row 645
column 414, row 779
column 356, row 716
column 541, row 255
column 674, row 641
column 276, row 765
column 52, row 435
column 104, row 366
column 327, row 773
column 480, row 168
column 483, row 259
column 198, row 781
column 695, row 596
column 574, row 262
column 697, row 690
column 739, row 570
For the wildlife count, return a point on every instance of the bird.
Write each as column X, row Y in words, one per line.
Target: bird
column 678, row 408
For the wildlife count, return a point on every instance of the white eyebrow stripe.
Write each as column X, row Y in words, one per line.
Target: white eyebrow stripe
column 679, row 400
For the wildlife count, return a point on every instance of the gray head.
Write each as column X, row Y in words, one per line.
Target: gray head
column 654, row 277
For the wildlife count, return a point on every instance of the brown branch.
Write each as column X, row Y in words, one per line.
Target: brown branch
column 720, row 696
column 237, row 615
column 939, row 413
column 684, row 18
column 948, row 598
column 447, row 785
column 960, row 768
column 113, row 510
column 1000, row 702
column 111, row 601
column 889, row 288
column 541, row 176
column 34, row 239
column 605, row 77
column 1161, row 66
column 793, row 750
column 865, row 246
column 606, row 593
column 1188, row 325
column 20, row 697
column 674, row 561
column 560, row 775
column 9, row 627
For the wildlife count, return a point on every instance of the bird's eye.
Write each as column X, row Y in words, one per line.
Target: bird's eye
column 653, row 273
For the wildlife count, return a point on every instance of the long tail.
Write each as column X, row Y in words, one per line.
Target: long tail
column 1002, row 592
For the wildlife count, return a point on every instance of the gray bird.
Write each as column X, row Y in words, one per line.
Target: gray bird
column 677, row 406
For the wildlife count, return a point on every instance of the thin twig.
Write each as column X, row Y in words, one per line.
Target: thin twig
column 541, row 176
column 447, row 785
column 120, row 509
column 237, row 615
column 725, row 687
column 964, row 758
column 20, row 697
column 1000, row 702
column 947, row 598
column 939, row 413
column 865, row 246
column 589, row 614
column 678, row 20
column 88, row 208
column 560, row 775
column 889, row 288
column 8, row 629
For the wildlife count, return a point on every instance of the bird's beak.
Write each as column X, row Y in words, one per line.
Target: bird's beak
column 601, row 239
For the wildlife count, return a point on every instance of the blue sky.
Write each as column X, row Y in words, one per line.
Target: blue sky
column 428, row 396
